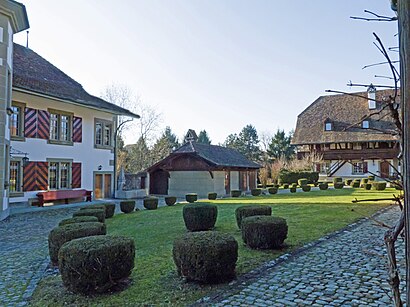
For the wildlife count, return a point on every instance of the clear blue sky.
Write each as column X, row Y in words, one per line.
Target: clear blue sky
column 213, row 64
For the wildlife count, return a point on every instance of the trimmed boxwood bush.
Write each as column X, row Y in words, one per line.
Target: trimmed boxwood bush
column 302, row 182
column 306, row 188
column 199, row 217
column 370, row 177
column 150, row 203
column 109, row 208
column 99, row 213
column 379, row 185
column 245, row 211
column 212, row 196
column 272, row 190
column 206, row 256
column 170, row 200
column 355, row 184
column 292, row 190
column 338, row 185
column 337, row 179
column 256, row 192
column 191, row 197
column 368, row 186
column 236, row 193
column 264, row 232
column 348, row 181
column 286, row 176
column 294, row 185
column 316, row 183
column 78, row 219
column 397, row 185
column 127, row 206
column 323, row 186
column 96, row 206
column 95, row 264
column 286, row 185
column 62, row 234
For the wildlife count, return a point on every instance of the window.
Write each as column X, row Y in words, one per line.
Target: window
column 103, row 134
column 59, row 175
column 365, row 124
column 324, row 167
column 328, row 126
column 15, row 179
column 17, row 121
column 60, row 127
column 359, row 168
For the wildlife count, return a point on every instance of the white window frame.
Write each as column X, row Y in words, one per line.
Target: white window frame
column 101, row 142
column 59, row 163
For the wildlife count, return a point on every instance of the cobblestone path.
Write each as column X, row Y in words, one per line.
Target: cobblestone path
column 23, row 253
column 345, row 269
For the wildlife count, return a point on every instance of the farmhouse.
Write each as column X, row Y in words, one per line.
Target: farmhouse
column 352, row 144
column 202, row 168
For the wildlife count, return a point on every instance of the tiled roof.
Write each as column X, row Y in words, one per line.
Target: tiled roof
column 343, row 111
column 217, row 155
column 33, row 73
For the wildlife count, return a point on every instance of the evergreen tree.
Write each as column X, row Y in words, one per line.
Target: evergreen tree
column 204, row 138
column 280, row 146
column 246, row 143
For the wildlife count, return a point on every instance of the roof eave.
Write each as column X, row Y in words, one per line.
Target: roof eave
column 17, row 13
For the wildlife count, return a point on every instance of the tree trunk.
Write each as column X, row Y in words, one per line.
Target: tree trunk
column 403, row 12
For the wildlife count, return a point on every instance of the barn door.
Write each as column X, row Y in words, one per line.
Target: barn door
column 384, row 169
column 159, row 182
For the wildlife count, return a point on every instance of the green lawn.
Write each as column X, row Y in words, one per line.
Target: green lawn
column 154, row 280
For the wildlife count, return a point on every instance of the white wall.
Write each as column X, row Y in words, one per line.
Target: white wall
column 40, row 150
column 346, row 169
column 234, row 180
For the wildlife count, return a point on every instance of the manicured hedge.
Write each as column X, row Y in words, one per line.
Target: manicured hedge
column 379, row 185
column 150, row 203
column 272, row 190
column 323, row 186
column 62, row 234
column 337, row 179
column 191, row 197
column 199, row 217
column 368, row 186
column 348, row 181
column 170, row 200
column 78, row 219
column 264, row 232
column 206, row 256
column 245, row 211
column 236, row 193
column 99, row 213
column 302, row 182
column 109, row 210
column 212, row 196
column 338, row 185
column 96, row 264
column 292, row 190
column 127, row 206
column 256, row 192
column 355, row 184
column 286, row 176
column 306, row 188
column 286, row 185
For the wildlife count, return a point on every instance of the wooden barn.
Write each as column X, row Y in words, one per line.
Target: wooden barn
column 202, row 168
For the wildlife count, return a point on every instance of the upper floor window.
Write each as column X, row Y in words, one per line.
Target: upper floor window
column 103, row 134
column 328, row 126
column 61, row 129
column 17, row 121
column 365, row 124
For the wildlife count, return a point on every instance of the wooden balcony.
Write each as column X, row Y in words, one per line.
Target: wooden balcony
column 351, row 154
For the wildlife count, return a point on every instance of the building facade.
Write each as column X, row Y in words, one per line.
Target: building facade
column 354, row 135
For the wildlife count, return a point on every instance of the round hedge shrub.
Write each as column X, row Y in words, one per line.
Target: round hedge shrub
column 272, row 190
column 368, row 186
column 355, row 184
column 78, row 219
column 337, row 179
column 292, row 190
column 316, row 183
column 170, row 200
column 95, row 264
column 338, row 185
column 127, row 206
column 199, row 217
column 370, row 177
column 294, row 185
column 302, row 182
column 191, row 197
column 306, row 188
column 212, row 196
column 150, row 203
column 397, row 185
column 99, row 206
column 286, row 185
column 236, row 193
column 109, row 210
column 256, row 192
column 379, row 185
column 99, row 213
column 206, row 256
column 264, row 232
column 348, row 181
column 62, row 234
column 245, row 211
column 323, row 186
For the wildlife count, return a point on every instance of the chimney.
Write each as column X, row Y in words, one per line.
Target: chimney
column 371, row 95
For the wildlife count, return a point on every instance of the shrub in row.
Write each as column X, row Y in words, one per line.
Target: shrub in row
column 337, row 180
column 286, row 176
column 302, row 182
column 272, row 190
column 323, row 186
column 206, row 256
column 96, row 263
column 170, row 200
column 236, row 193
column 338, row 185
column 355, row 183
column 150, row 203
column 264, row 232
column 292, row 190
column 99, row 213
column 199, row 217
column 212, row 196
column 306, row 188
column 246, row 211
column 286, row 185
column 379, row 185
column 368, row 186
column 191, row 197
column 127, row 206
column 348, row 181
column 109, row 208
column 256, row 192
column 78, row 219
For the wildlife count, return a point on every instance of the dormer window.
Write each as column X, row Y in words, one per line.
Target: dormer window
column 365, row 124
column 371, row 95
column 328, row 126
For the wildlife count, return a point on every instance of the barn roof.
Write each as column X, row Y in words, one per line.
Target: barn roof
column 33, row 73
column 345, row 112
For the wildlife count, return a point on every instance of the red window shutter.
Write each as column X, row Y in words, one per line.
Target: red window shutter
column 29, row 177
column 30, row 123
column 77, row 129
column 365, row 170
column 76, row 175
column 43, row 125
column 42, row 176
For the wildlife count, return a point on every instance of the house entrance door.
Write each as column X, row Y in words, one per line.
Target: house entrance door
column 102, row 185
column 384, row 169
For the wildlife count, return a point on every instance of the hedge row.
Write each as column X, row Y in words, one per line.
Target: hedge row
column 286, row 176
